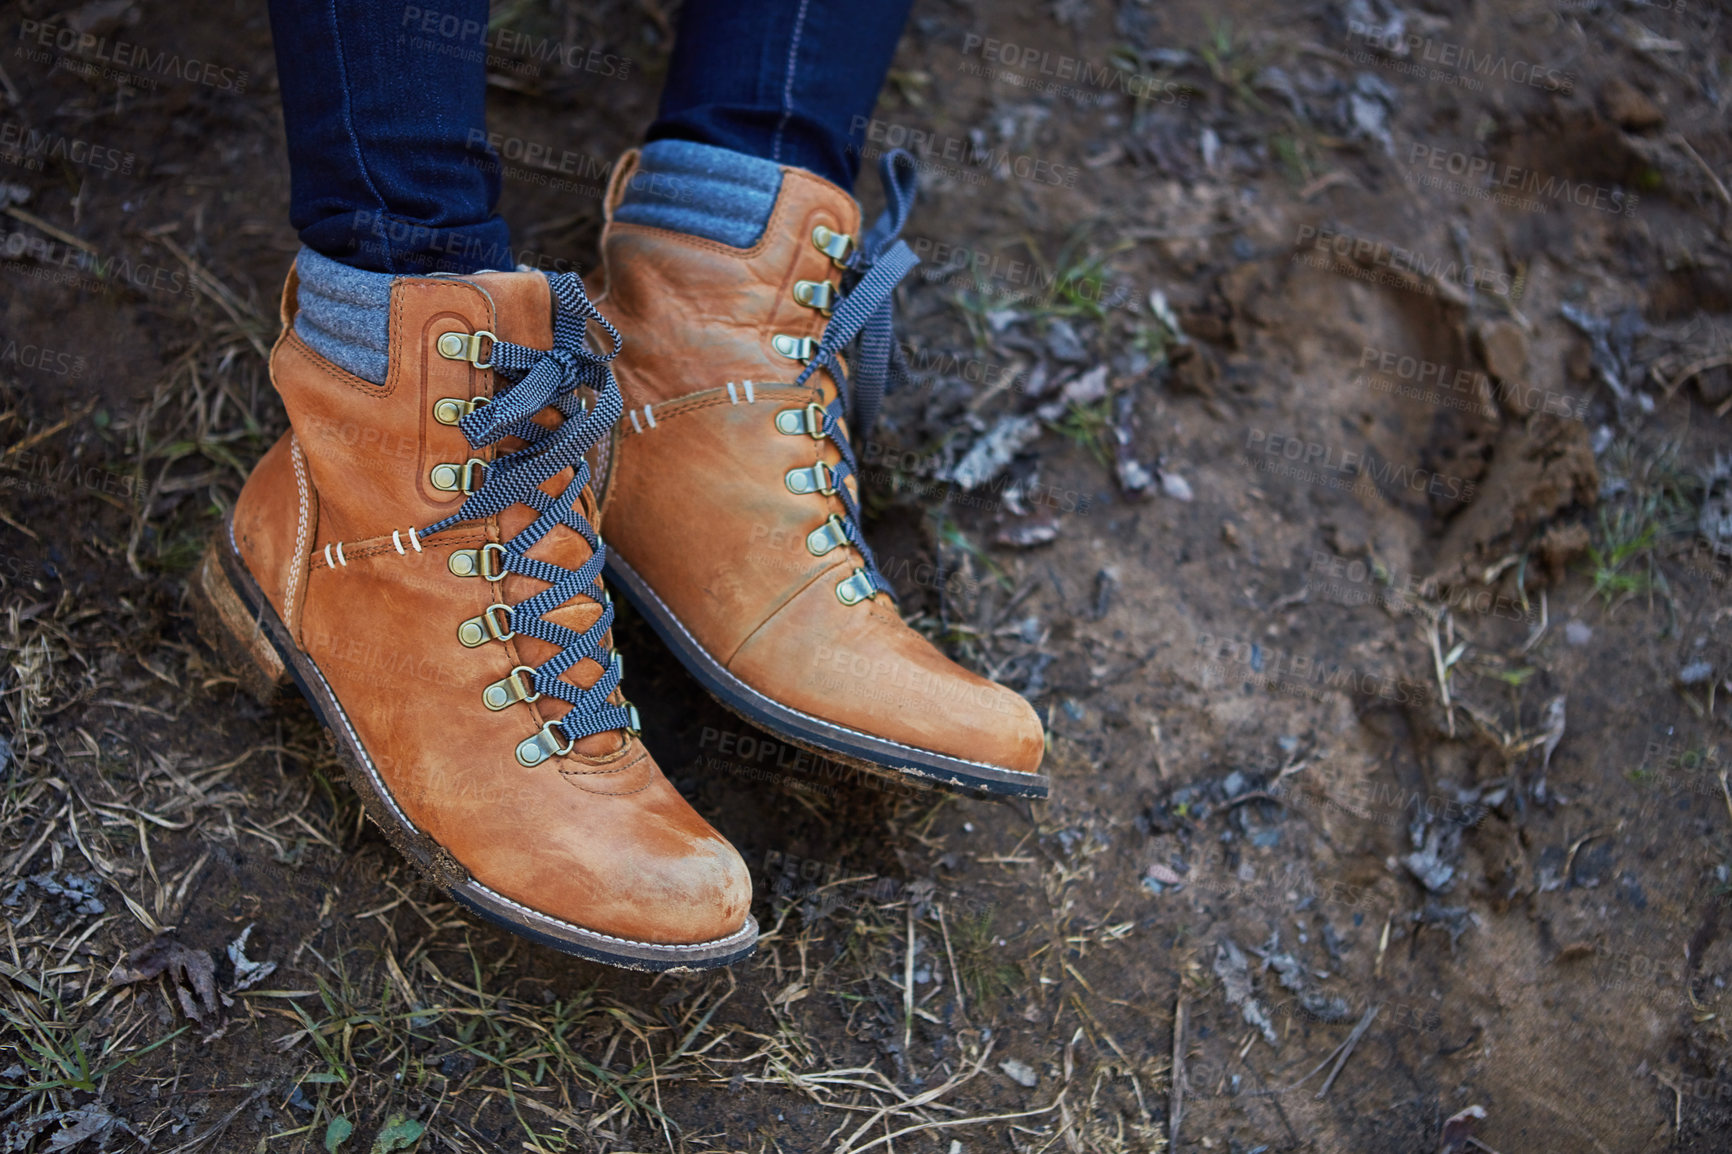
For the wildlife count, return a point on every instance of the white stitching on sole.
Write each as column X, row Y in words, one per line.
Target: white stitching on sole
column 643, row 587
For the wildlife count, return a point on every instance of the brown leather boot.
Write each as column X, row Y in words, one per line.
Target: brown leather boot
column 731, row 504
column 418, row 557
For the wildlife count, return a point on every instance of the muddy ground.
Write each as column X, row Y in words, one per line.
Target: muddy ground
column 1362, row 528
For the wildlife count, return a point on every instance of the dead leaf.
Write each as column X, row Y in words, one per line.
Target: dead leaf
column 1234, row 971
column 191, row 974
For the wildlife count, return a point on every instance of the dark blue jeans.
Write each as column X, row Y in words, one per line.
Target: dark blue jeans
column 384, row 108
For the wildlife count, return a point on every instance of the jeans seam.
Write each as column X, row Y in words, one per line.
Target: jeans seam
column 349, row 123
column 788, row 84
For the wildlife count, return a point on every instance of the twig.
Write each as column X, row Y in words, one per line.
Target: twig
column 1347, row 1047
column 1725, row 792
column 223, row 296
column 1431, row 637
column 908, row 985
column 1176, row 1103
column 918, row 1100
column 1678, row 139
column 59, row 234
column 224, row 1122
column 957, row 1122
column 1696, row 368
column 41, row 435
column 1540, row 629
column 1570, row 861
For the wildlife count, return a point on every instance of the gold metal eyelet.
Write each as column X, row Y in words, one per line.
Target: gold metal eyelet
column 816, row 294
column 635, row 725
column 855, row 588
column 473, row 562
column 451, row 410
column 800, row 349
column 831, row 534
column 461, row 346
column 540, row 746
column 480, row 630
column 510, row 690
column 452, row 478
column 813, row 479
column 809, row 420
column 838, row 246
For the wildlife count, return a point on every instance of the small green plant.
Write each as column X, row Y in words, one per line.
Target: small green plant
column 980, row 964
column 1090, row 426
column 57, row 1056
column 1624, row 537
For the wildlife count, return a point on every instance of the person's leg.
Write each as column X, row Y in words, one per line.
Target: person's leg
column 782, row 81
column 420, row 557
column 753, row 87
column 384, row 111
column 389, row 170
column 738, row 270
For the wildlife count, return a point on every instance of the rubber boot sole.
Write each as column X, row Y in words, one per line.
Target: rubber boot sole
column 850, row 747
column 235, row 619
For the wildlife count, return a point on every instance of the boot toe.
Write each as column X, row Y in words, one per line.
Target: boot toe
column 869, row 672
column 614, row 851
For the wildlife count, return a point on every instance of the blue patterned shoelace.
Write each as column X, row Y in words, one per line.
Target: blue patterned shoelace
column 543, row 378
column 863, row 316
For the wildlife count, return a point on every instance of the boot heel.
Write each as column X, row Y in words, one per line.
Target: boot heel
column 228, row 627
